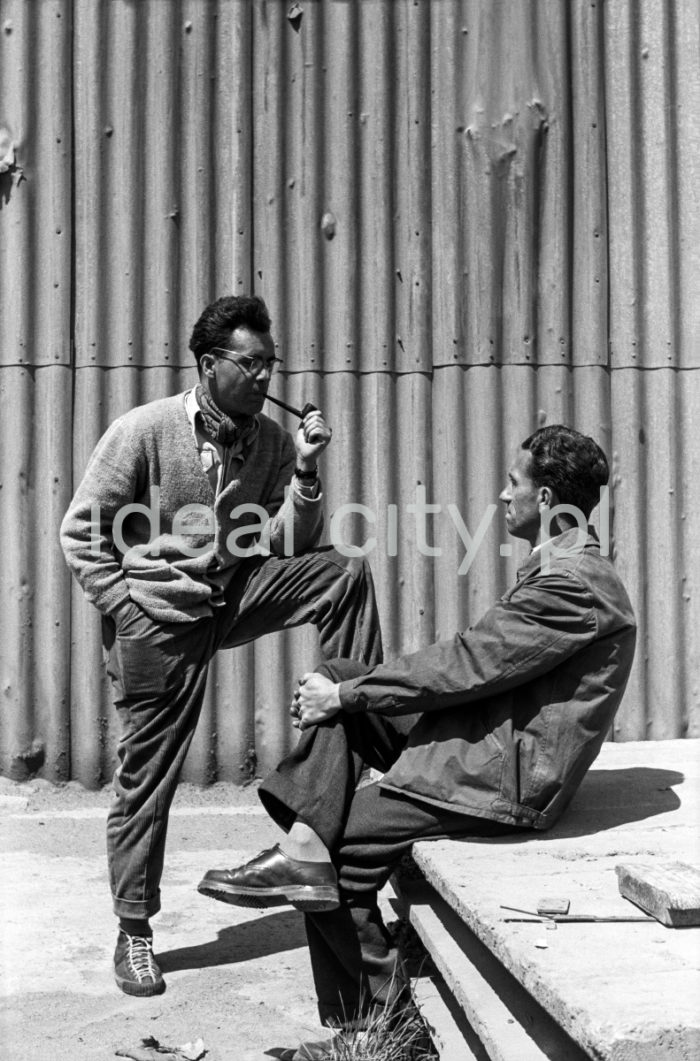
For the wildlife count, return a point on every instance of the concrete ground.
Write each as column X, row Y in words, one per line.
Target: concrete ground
column 239, row 979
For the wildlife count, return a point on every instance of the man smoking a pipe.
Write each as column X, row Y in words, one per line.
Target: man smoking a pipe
column 204, row 580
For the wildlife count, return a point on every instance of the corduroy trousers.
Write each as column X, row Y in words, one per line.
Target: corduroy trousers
column 159, row 670
column 354, row 959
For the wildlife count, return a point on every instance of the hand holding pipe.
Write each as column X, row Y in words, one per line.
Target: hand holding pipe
column 301, row 413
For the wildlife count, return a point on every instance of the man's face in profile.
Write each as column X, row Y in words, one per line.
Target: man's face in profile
column 522, row 499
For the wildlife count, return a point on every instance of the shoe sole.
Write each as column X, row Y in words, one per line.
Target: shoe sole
column 306, row 897
column 139, row 990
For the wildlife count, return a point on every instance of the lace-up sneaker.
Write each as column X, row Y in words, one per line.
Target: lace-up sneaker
column 135, row 968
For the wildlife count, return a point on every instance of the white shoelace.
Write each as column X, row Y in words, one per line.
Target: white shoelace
column 141, row 960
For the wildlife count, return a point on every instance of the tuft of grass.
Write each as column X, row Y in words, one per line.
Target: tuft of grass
column 395, row 1033
column 383, row 1041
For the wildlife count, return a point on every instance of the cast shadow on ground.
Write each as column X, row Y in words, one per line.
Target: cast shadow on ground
column 608, row 799
column 611, row 798
column 269, row 934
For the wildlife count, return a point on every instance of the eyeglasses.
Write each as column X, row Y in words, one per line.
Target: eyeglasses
column 252, row 366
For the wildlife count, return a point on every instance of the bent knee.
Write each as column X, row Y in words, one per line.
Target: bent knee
column 357, row 567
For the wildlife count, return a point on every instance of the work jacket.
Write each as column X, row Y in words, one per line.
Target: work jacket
column 515, row 709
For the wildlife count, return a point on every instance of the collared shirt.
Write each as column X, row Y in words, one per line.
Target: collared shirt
column 221, row 463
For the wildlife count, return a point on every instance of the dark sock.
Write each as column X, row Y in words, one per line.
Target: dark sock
column 134, row 927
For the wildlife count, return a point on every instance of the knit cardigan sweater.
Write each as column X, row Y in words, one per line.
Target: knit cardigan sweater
column 145, row 524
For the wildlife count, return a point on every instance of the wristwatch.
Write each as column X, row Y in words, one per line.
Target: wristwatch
column 306, row 477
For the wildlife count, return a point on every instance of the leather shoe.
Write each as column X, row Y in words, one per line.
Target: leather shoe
column 274, row 879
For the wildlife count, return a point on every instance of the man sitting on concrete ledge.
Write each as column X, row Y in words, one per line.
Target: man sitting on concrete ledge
column 514, row 711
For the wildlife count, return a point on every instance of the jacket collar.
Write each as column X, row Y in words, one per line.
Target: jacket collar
column 561, row 541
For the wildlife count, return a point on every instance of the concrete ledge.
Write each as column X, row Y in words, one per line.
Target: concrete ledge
column 451, row 1034
column 621, row 991
column 502, row 1017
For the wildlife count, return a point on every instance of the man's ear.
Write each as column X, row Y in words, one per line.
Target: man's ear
column 206, row 365
column 546, row 497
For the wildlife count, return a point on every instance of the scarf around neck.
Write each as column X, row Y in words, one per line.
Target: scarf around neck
column 219, row 427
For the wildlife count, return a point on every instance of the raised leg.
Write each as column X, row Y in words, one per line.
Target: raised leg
column 334, row 592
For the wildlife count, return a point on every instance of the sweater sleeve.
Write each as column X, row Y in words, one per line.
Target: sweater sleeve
column 543, row 623
column 296, row 517
column 112, row 480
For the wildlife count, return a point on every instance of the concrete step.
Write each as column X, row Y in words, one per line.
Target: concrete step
column 449, row 1029
column 453, row 1037
column 502, row 1020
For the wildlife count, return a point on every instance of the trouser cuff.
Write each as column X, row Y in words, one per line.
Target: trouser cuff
column 136, row 909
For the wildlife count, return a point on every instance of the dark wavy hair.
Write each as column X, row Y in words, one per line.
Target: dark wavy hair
column 219, row 319
column 571, row 464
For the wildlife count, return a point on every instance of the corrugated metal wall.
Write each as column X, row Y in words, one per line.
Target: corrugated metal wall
column 468, row 217
column 652, row 68
column 36, row 383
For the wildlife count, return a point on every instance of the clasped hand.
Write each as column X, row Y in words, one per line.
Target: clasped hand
column 316, row 698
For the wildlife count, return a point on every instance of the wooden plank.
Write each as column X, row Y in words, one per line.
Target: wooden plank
column 669, row 891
